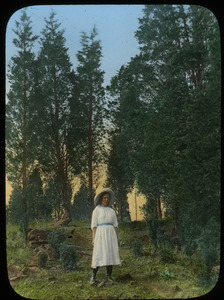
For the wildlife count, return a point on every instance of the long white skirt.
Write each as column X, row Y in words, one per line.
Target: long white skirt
column 105, row 250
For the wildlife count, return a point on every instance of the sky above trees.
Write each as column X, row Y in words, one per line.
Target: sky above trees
column 116, row 25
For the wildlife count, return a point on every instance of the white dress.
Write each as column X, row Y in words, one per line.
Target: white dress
column 105, row 250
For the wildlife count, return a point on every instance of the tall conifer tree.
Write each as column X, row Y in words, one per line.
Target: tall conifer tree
column 181, row 45
column 51, row 107
column 91, row 94
column 18, row 119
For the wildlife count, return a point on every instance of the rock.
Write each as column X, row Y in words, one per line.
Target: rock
column 14, row 273
column 34, row 260
column 37, row 237
column 29, row 271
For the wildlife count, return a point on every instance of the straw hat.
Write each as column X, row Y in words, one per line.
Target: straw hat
column 99, row 194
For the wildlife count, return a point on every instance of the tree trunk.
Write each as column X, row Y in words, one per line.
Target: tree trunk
column 136, row 208
column 159, row 209
column 61, row 160
column 90, row 155
column 175, row 217
column 24, row 159
column 119, row 202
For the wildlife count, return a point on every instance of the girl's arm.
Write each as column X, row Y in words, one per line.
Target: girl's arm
column 116, row 230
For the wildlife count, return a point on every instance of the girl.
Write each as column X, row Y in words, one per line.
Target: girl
column 104, row 227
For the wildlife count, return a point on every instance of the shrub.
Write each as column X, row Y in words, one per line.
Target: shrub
column 167, row 275
column 137, row 248
column 56, row 238
column 166, row 253
column 209, row 243
column 68, row 256
column 42, row 259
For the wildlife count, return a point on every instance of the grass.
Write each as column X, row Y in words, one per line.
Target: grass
column 142, row 277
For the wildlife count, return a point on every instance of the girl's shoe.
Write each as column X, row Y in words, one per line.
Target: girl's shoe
column 109, row 278
column 92, row 280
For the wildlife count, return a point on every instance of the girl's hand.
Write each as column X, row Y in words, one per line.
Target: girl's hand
column 93, row 242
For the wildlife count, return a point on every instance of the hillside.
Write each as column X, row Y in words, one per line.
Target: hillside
column 144, row 273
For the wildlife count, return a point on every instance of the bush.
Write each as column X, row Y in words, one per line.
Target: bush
column 167, row 275
column 18, row 252
column 56, row 238
column 152, row 225
column 209, row 243
column 80, row 206
column 42, row 259
column 137, row 248
column 166, row 253
column 68, row 256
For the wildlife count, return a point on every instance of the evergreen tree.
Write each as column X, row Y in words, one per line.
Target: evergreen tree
column 51, row 107
column 38, row 206
column 126, row 113
column 15, row 209
column 90, row 92
column 19, row 156
column 181, row 148
column 53, row 196
column 80, row 206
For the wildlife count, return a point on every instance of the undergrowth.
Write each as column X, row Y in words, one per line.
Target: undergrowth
column 145, row 272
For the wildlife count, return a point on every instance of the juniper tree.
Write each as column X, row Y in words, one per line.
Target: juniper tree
column 182, row 133
column 90, row 92
column 51, row 107
column 19, row 148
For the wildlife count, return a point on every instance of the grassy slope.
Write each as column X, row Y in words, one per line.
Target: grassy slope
column 145, row 277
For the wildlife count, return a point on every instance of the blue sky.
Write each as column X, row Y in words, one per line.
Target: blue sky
column 116, row 25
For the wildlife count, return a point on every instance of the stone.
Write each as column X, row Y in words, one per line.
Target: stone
column 14, row 273
column 37, row 237
column 34, row 260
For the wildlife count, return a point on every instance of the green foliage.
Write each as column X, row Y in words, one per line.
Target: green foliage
column 90, row 93
column 39, row 205
column 19, row 147
column 17, row 251
column 42, row 259
column 55, row 238
column 145, row 277
column 15, row 209
column 66, row 252
column 50, row 113
column 53, row 195
column 164, row 118
column 68, row 256
column 80, row 207
column 176, row 151
column 137, row 248
column 210, row 252
column 167, row 275
column 166, row 253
